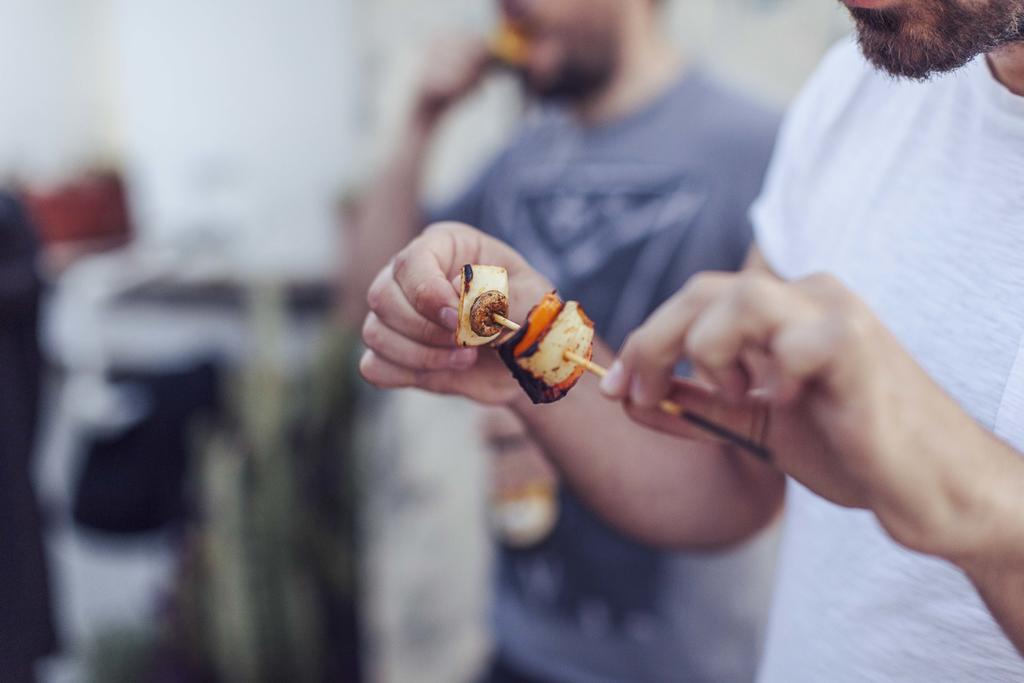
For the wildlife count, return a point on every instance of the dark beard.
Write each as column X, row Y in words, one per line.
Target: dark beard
column 575, row 83
column 913, row 43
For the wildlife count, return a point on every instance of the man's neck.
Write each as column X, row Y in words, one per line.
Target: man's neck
column 1008, row 67
column 648, row 65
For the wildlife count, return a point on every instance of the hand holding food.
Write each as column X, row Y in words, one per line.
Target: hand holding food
column 453, row 67
column 415, row 303
column 550, row 353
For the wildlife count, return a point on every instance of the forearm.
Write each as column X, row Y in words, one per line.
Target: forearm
column 995, row 562
column 656, row 488
column 389, row 216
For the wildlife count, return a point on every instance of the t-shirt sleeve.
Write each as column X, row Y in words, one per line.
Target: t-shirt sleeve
column 803, row 138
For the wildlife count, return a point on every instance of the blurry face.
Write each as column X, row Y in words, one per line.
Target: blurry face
column 918, row 38
column 574, row 44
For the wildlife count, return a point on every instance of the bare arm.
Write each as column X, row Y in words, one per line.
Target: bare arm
column 389, row 217
column 994, row 525
column 654, row 487
column 853, row 417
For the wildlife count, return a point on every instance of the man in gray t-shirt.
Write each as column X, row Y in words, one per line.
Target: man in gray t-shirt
column 619, row 216
column 618, row 199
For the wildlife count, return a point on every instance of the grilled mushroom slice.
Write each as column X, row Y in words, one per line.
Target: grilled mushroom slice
column 536, row 353
column 484, row 293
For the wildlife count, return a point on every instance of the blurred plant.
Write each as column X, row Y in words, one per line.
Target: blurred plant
column 267, row 586
column 122, row 655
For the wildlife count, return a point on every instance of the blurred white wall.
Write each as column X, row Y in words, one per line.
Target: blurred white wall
column 51, row 115
column 767, row 47
column 236, row 119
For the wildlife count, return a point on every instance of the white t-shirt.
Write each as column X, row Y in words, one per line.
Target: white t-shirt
column 913, row 195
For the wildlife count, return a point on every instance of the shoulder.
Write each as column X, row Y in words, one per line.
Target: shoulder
column 810, row 133
column 842, row 77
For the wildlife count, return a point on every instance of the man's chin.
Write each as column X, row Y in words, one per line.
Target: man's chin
column 570, row 87
column 907, row 44
column 870, row 4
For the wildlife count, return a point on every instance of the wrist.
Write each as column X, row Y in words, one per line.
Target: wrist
column 988, row 527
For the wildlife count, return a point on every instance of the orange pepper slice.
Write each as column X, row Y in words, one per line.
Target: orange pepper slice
column 538, row 321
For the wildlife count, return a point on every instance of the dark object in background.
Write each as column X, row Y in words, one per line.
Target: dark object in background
column 134, row 481
column 26, row 625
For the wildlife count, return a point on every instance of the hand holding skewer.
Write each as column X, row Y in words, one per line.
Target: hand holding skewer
column 666, row 406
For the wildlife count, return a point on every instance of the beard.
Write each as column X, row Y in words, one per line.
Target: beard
column 927, row 37
column 575, row 82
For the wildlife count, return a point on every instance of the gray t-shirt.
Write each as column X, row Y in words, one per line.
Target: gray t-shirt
column 619, row 217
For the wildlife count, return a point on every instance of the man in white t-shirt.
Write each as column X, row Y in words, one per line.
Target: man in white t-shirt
column 875, row 345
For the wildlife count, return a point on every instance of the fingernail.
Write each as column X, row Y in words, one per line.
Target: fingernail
column 450, row 318
column 640, row 393
column 462, row 358
column 614, row 383
column 760, row 394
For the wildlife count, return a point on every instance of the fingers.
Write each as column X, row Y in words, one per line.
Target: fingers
column 745, row 316
column 385, row 374
column 424, row 272
column 646, row 363
column 478, row 384
column 741, row 332
column 389, row 304
column 844, row 329
column 402, row 350
column 424, row 279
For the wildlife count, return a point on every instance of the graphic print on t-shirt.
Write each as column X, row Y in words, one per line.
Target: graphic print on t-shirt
column 605, row 234
column 609, row 227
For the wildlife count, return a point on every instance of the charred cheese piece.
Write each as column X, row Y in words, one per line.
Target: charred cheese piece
column 483, row 292
column 536, row 353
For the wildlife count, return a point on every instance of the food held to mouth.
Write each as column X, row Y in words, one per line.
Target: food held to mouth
column 510, row 45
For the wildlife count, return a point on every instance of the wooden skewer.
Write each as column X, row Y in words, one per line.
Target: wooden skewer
column 669, row 407
column 506, row 323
